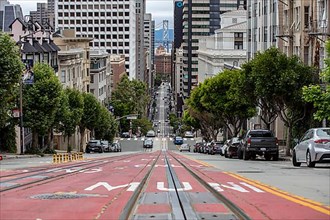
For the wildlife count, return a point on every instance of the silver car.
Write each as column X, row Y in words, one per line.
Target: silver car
column 314, row 147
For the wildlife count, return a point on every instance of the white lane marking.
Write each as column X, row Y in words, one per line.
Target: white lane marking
column 219, row 187
column 132, row 186
column 186, row 187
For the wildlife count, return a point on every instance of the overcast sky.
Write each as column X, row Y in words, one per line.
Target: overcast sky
column 160, row 9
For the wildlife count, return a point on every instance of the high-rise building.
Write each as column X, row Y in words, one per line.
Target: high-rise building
column 8, row 13
column 51, row 12
column 140, row 55
column 41, row 14
column 263, row 26
column 148, row 47
column 200, row 18
column 112, row 24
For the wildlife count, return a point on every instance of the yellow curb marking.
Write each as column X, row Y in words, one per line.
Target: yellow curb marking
column 293, row 198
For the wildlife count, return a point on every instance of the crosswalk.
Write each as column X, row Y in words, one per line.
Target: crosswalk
column 155, row 139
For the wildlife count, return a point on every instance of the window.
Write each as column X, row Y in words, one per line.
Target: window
column 63, row 76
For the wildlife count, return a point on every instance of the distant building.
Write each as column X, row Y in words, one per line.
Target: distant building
column 41, row 14
column 8, row 13
column 100, row 75
column 118, row 70
column 226, row 49
column 148, row 32
column 163, row 62
column 111, row 24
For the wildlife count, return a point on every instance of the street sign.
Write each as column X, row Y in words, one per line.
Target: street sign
column 131, row 117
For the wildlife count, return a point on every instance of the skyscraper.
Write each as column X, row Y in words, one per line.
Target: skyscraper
column 41, row 14
column 140, row 56
column 8, row 13
column 112, row 24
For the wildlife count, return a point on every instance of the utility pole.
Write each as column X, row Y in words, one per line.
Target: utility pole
column 21, row 116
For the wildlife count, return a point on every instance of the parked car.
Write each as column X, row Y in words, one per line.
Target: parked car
column 232, row 147
column 185, row 147
column 106, row 146
column 116, row 147
column 197, row 147
column 313, row 147
column 94, row 146
column 217, row 148
column 178, row 140
column 258, row 142
column 188, row 134
column 125, row 135
column 148, row 143
column 151, row 133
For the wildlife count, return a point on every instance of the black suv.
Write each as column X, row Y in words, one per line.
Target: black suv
column 95, row 146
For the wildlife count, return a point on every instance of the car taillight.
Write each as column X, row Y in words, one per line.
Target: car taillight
column 322, row 141
column 276, row 141
column 249, row 141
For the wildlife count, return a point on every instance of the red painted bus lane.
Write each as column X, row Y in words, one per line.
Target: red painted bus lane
column 258, row 200
column 79, row 196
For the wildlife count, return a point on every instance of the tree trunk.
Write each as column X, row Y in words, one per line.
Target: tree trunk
column 82, row 136
column 288, row 141
column 34, row 139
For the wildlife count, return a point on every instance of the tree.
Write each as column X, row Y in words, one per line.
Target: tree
column 274, row 83
column 90, row 116
column 143, row 123
column 41, row 101
column 72, row 113
column 11, row 69
column 106, row 125
column 223, row 98
column 318, row 95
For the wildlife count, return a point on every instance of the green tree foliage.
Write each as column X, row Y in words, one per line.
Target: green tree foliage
column 130, row 97
column 274, row 83
column 106, row 126
column 11, row 69
column 41, row 101
column 318, row 95
column 90, row 116
column 231, row 105
column 73, row 109
column 158, row 80
column 144, row 124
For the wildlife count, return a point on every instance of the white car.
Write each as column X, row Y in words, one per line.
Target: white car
column 151, row 133
column 184, row 147
column 314, row 147
column 188, row 134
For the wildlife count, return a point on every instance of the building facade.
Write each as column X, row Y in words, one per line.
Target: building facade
column 163, row 62
column 226, row 49
column 140, row 48
column 118, row 69
column 41, row 14
column 148, row 32
column 8, row 13
column 100, row 75
column 112, row 25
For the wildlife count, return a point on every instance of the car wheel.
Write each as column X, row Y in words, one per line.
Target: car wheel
column 309, row 160
column 101, row 150
column 294, row 160
column 239, row 154
column 245, row 155
column 87, row 151
column 267, row 157
column 275, row 157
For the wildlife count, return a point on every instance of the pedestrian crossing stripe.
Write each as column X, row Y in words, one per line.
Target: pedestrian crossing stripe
column 156, row 139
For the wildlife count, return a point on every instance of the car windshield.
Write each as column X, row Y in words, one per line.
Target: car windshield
column 148, row 141
column 178, row 138
column 323, row 133
column 261, row 134
column 93, row 142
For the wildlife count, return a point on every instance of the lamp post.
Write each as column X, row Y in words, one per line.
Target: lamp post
column 21, row 116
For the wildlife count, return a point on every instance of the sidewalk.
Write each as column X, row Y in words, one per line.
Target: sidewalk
column 7, row 156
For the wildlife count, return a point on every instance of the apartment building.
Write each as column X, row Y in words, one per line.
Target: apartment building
column 41, row 14
column 140, row 47
column 163, row 62
column 148, row 46
column 118, row 69
column 226, row 49
column 100, row 75
column 200, row 18
column 112, row 25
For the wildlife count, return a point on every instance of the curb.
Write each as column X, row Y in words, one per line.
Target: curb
column 9, row 157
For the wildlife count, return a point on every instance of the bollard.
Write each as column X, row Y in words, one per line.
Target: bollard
column 54, row 158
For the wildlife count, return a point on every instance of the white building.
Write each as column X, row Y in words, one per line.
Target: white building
column 226, row 48
column 100, row 75
column 112, row 24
